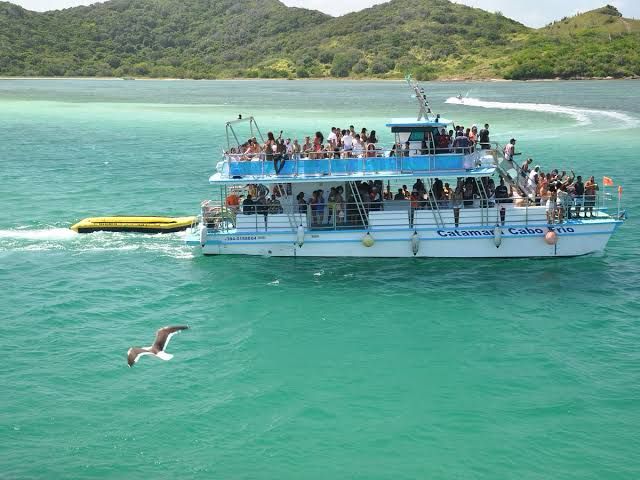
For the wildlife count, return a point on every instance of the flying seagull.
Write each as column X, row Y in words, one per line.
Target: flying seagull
column 157, row 349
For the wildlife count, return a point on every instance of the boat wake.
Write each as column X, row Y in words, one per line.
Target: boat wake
column 42, row 234
column 30, row 239
column 583, row 116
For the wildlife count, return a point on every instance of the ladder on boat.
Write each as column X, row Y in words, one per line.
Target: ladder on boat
column 484, row 202
column 362, row 212
column 290, row 212
column 434, row 205
column 510, row 171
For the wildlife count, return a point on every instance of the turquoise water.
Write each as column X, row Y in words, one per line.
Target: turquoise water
column 306, row 368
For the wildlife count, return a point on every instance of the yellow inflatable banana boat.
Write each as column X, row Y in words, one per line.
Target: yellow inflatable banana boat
column 133, row 224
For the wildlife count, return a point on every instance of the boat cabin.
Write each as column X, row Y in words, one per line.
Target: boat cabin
column 423, row 136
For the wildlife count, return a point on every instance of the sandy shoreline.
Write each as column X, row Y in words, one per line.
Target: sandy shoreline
column 441, row 80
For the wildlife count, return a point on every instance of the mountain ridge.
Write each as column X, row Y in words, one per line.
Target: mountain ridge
column 434, row 39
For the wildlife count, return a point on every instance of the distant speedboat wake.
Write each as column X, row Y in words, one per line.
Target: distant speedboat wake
column 584, row 116
column 163, row 336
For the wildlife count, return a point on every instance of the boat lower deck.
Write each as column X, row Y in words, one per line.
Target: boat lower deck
column 572, row 238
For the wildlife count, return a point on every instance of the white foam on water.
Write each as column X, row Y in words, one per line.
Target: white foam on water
column 43, row 234
column 30, row 239
column 583, row 116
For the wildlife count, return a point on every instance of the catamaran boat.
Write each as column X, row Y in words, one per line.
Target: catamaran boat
column 353, row 223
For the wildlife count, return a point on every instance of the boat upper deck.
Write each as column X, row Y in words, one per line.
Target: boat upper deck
column 380, row 163
column 423, row 147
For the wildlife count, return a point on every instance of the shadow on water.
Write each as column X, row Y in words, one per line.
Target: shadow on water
column 593, row 273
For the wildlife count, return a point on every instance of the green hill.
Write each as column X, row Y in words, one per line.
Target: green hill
column 599, row 43
column 265, row 38
column 606, row 20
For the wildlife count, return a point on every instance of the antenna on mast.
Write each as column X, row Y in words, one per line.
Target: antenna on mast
column 425, row 108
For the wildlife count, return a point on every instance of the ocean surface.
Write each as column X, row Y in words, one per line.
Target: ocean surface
column 302, row 368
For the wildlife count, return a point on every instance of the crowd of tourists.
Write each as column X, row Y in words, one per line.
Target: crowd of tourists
column 564, row 196
column 340, row 143
column 347, row 143
column 558, row 191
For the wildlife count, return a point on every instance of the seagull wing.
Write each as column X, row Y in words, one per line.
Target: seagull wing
column 135, row 353
column 164, row 335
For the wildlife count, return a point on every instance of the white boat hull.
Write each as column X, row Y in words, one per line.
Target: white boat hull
column 573, row 239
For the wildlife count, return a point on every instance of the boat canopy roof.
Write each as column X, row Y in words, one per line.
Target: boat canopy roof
column 413, row 123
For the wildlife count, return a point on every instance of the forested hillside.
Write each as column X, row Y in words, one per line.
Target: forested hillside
column 264, row 38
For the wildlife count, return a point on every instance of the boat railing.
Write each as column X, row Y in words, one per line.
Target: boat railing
column 347, row 162
column 425, row 213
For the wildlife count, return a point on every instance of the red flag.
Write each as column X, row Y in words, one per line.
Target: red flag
column 607, row 182
column 619, row 191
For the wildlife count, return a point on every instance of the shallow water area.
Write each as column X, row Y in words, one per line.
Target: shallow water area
column 312, row 368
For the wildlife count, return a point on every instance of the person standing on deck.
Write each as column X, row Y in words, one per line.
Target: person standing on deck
column 248, row 205
column 458, row 201
column 473, row 135
column 269, row 146
column 296, row 149
column 502, row 193
column 461, row 143
column 333, row 138
column 483, row 137
column 302, row 204
column 308, row 146
column 347, row 143
column 590, row 189
column 551, row 204
column 531, row 183
column 320, row 206
column 318, row 141
column 578, row 192
column 358, row 147
column 371, row 149
column 510, row 150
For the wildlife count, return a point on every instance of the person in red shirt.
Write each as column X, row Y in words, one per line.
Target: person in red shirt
column 233, row 200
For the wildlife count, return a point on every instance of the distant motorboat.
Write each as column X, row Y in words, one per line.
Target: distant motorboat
column 461, row 98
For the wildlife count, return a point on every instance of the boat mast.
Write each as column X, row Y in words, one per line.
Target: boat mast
column 425, row 108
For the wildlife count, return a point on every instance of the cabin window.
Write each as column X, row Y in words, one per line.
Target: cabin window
column 416, row 136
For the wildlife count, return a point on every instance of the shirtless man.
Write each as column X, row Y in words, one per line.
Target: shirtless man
column 590, row 189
